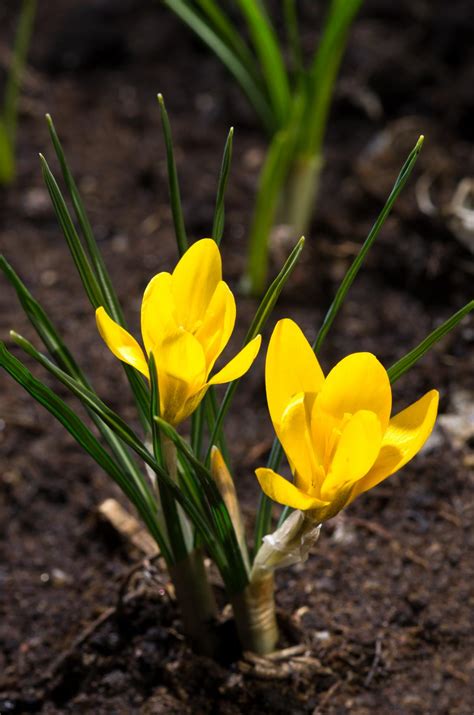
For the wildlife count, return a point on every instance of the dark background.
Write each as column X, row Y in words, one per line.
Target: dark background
column 385, row 603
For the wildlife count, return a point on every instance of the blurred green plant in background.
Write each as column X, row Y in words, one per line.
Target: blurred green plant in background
column 9, row 109
column 291, row 98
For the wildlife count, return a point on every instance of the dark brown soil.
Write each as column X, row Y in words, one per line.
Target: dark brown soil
column 385, row 602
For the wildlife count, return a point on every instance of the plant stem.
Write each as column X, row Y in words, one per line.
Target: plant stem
column 254, row 608
column 301, row 192
column 177, row 525
column 188, row 572
column 196, row 601
column 255, row 615
column 226, row 487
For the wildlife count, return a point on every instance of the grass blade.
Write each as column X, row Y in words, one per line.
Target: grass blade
column 109, row 296
column 218, row 509
column 323, row 74
column 88, row 277
column 265, row 504
column 261, row 316
column 229, row 58
column 81, row 433
column 41, row 322
column 7, row 156
column 79, row 256
column 168, row 503
column 62, row 356
column 219, row 211
column 12, row 88
column 271, row 181
column 293, row 35
column 90, row 400
column 374, row 232
column 229, row 35
column 270, row 57
column 405, row 363
column 173, row 183
column 270, row 298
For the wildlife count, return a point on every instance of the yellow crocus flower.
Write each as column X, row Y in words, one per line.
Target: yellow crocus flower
column 336, row 431
column 187, row 318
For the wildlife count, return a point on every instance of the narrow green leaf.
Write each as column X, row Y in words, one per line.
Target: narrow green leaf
column 7, row 156
column 80, row 258
column 127, row 435
column 52, row 340
column 74, row 425
column 230, row 36
column 268, row 51
column 197, row 428
column 261, row 316
column 90, row 400
column 173, row 183
column 62, row 356
column 41, row 323
column 270, row 298
column 374, row 232
column 20, row 51
column 109, row 296
column 265, row 505
column 220, row 515
column 323, row 74
column 271, row 181
column 406, row 363
column 88, row 277
column 197, row 420
column 211, row 409
column 255, row 93
column 293, row 34
column 168, row 503
column 219, row 211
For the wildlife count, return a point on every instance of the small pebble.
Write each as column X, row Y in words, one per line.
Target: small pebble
column 37, row 203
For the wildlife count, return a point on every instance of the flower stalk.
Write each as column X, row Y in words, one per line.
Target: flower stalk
column 301, row 190
column 255, row 614
column 193, row 591
column 254, row 608
column 196, row 601
column 226, row 486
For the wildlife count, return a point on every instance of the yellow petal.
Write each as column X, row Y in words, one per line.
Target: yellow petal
column 296, row 441
column 120, row 342
column 194, row 281
column 355, row 453
column 358, row 382
column 181, row 368
column 291, row 367
column 157, row 312
column 180, row 403
column 218, row 324
column 405, row 436
column 284, row 492
column 239, row 364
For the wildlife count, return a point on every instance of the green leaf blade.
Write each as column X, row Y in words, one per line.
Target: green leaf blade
column 406, row 363
column 219, row 211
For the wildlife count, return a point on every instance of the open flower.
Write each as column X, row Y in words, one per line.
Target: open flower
column 336, row 430
column 187, row 318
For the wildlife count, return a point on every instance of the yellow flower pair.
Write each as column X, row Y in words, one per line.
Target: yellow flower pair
column 336, row 431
